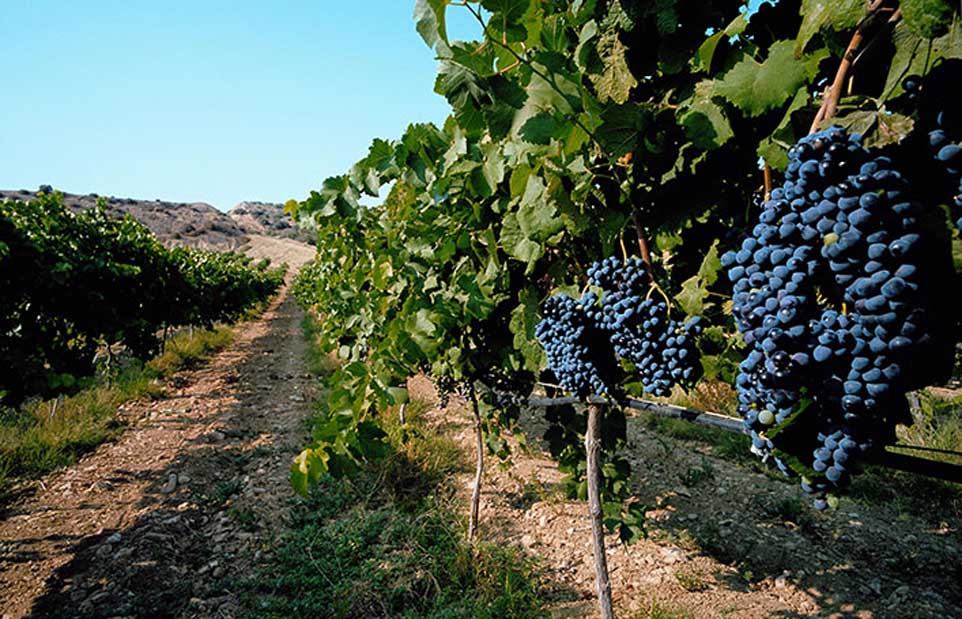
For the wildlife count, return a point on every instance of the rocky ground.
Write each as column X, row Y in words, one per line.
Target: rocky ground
column 725, row 540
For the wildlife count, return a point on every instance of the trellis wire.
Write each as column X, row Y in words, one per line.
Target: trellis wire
column 946, row 471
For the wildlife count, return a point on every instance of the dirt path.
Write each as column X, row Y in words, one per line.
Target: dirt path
column 163, row 521
column 725, row 540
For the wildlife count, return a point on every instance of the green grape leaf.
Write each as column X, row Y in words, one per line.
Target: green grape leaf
column 621, row 127
column 704, row 121
column 692, row 297
column 541, row 128
column 710, row 265
column 429, row 20
column 915, row 54
column 694, row 290
column 757, row 87
column 929, row 18
column 517, row 245
column 505, row 13
column 774, row 149
column 524, row 318
column 702, row 60
column 817, row 14
column 615, row 81
column 878, row 127
column 537, row 215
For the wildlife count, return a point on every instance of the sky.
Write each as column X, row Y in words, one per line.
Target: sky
column 207, row 100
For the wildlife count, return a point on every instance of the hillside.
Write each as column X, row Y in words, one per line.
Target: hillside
column 269, row 219
column 196, row 224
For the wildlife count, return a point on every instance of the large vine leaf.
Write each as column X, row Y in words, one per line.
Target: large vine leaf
column 929, row 18
column 694, row 290
column 524, row 318
column 914, row 54
column 756, row 87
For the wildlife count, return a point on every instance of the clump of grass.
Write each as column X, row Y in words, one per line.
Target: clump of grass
column 41, row 436
column 937, row 425
column 715, row 396
column 697, row 474
column 319, row 363
column 184, row 351
column 655, row 610
column 692, row 580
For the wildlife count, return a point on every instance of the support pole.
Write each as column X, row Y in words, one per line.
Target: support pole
column 595, row 512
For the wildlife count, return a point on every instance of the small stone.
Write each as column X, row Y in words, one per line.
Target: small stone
column 171, row 484
column 216, row 436
column 114, row 539
column 781, row 581
column 219, row 572
column 183, row 479
column 527, row 541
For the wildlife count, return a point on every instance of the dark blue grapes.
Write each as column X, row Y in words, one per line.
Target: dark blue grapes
column 584, row 338
column 577, row 348
column 829, row 295
column 948, row 157
column 662, row 350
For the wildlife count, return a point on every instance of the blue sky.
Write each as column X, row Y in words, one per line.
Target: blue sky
column 213, row 101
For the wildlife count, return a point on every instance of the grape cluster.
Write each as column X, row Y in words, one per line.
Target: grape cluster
column 577, row 348
column 663, row 350
column 828, row 293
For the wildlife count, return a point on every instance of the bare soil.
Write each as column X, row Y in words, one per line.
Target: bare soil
column 721, row 542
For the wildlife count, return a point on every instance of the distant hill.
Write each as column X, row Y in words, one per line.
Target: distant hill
column 196, row 224
column 269, row 219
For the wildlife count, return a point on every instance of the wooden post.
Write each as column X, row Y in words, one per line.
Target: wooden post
column 479, row 468
column 593, row 449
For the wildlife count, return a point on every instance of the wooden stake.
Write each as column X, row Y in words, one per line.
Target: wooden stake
column 479, row 468
column 595, row 512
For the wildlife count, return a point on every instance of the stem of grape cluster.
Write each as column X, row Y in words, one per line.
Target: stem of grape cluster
column 595, row 512
column 642, row 241
column 767, row 172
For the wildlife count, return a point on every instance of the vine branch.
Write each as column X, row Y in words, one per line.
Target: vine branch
column 871, row 21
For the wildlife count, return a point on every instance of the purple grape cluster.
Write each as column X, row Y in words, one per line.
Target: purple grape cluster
column 577, row 347
column 828, row 294
column 641, row 332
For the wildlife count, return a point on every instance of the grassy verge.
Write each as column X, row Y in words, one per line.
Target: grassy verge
column 41, row 436
column 389, row 541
